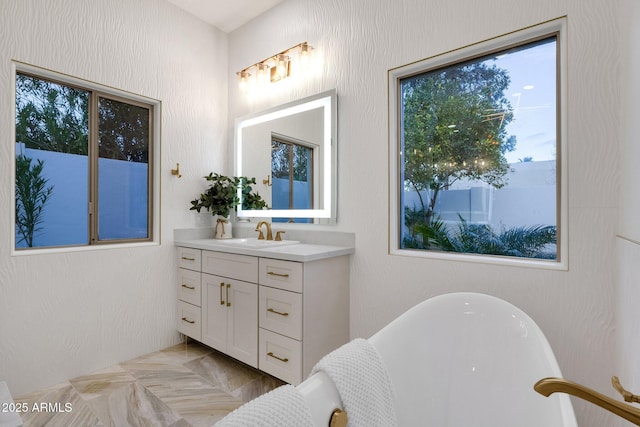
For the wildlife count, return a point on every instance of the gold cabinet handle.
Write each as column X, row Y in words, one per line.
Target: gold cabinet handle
column 188, row 258
column 188, row 287
column 221, row 288
column 273, row 273
column 271, row 310
column 184, row 319
column 270, row 354
column 228, row 302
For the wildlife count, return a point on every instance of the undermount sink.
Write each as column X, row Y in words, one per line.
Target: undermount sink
column 253, row 242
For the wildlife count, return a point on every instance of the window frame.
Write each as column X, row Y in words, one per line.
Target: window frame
column 556, row 27
column 97, row 91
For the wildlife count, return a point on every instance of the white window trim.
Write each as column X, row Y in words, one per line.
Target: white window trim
column 556, row 26
column 18, row 67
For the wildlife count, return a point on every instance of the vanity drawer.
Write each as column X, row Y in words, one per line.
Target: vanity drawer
column 189, row 320
column 286, row 275
column 189, row 286
column 281, row 311
column 189, row 258
column 233, row 266
column 280, row 356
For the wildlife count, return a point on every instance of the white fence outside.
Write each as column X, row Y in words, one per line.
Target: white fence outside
column 528, row 199
column 123, row 193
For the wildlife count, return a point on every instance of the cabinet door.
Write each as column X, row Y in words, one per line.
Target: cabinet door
column 214, row 311
column 242, row 326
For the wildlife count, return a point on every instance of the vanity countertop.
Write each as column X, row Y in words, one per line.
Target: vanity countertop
column 301, row 252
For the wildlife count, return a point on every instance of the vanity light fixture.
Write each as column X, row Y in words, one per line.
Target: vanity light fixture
column 276, row 67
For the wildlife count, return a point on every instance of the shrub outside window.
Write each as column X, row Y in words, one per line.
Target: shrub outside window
column 84, row 163
column 476, row 143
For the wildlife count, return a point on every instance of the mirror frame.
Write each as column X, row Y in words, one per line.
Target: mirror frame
column 329, row 101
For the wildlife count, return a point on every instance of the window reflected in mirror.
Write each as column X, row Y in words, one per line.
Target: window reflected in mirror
column 292, row 175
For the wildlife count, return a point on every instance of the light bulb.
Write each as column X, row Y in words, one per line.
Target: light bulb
column 244, row 81
column 305, row 56
column 262, row 74
column 282, row 66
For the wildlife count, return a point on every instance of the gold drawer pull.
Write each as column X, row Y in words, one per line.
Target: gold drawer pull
column 272, row 273
column 270, row 354
column 271, row 310
column 188, row 259
column 221, row 288
column 184, row 319
column 188, row 287
column 228, row 302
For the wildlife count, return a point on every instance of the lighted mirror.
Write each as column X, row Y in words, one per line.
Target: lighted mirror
column 291, row 152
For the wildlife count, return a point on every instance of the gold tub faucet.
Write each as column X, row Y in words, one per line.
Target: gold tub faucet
column 269, row 233
column 547, row 386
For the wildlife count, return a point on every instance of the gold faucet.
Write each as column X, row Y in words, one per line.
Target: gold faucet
column 269, row 233
column 547, row 386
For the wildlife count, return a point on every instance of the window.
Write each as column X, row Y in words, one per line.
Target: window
column 84, row 158
column 476, row 150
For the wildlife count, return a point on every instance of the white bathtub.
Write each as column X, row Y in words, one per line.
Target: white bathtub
column 460, row 360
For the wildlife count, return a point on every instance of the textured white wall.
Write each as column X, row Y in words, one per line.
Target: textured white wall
column 359, row 40
column 628, row 245
column 66, row 314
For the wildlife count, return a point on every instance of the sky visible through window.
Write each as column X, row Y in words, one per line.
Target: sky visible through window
column 532, row 94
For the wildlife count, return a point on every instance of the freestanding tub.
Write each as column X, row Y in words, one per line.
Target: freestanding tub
column 459, row 360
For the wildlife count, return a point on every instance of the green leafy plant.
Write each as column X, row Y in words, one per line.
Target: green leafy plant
column 222, row 195
column 526, row 241
column 454, row 123
column 32, row 194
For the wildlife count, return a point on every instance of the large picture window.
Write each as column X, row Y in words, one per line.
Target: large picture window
column 83, row 167
column 476, row 150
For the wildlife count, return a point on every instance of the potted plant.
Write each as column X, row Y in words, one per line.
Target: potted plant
column 221, row 197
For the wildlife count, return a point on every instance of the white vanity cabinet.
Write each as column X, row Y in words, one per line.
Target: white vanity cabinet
column 230, row 305
column 278, row 315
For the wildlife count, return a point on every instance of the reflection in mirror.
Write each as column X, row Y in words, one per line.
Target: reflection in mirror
column 291, row 152
column 292, row 177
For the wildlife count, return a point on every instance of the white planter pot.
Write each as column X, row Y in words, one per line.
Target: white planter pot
column 223, row 228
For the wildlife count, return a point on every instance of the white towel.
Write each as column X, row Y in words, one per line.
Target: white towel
column 363, row 383
column 282, row 407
